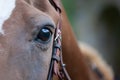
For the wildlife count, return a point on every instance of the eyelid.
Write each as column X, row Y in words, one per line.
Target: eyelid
column 49, row 26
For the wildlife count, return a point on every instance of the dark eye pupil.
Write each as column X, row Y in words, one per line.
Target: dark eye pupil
column 44, row 34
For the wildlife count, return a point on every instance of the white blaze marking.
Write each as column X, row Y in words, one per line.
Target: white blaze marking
column 6, row 8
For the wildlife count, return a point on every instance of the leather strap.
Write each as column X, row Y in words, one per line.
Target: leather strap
column 57, row 67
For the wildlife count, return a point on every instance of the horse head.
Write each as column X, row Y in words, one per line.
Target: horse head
column 27, row 30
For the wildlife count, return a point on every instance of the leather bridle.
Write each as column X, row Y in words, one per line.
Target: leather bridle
column 57, row 67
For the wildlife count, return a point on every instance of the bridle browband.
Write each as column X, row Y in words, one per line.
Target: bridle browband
column 57, row 67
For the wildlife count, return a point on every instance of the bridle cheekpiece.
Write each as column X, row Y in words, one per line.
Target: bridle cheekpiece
column 57, row 67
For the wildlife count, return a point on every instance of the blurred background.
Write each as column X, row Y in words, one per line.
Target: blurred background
column 97, row 22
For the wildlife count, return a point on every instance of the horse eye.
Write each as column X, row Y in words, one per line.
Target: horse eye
column 44, row 35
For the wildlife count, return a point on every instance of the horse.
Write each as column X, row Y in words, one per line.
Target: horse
column 27, row 32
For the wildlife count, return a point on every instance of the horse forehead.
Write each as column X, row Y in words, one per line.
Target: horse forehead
column 6, row 9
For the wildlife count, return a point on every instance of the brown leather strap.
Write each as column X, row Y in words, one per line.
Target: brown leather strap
column 57, row 66
column 56, row 4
